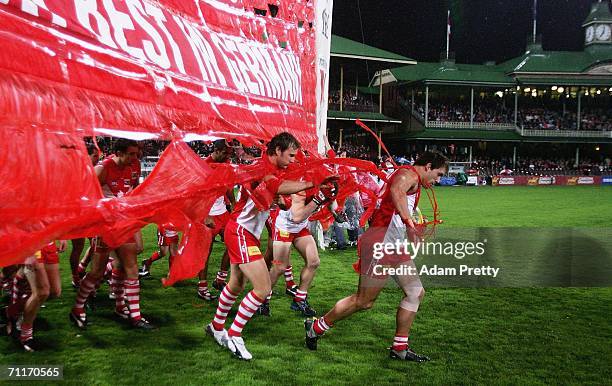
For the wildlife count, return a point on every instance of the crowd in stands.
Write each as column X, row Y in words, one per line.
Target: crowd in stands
column 351, row 101
column 540, row 167
column 528, row 118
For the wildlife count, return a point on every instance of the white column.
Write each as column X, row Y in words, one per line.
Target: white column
column 341, row 87
column 412, row 103
column 340, row 139
column 516, row 107
column 426, row 105
column 577, row 160
column 472, row 108
column 514, row 158
column 380, row 93
column 578, row 112
column 470, row 155
column 379, row 147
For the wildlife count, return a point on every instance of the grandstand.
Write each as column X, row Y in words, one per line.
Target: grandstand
column 494, row 116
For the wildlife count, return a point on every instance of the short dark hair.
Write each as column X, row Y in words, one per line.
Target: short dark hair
column 283, row 141
column 219, row 144
column 91, row 148
column 122, row 144
column 437, row 160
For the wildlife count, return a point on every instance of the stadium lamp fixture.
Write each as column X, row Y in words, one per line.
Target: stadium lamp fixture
column 596, row 148
column 500, row 94
column 518, row 88
column 560, row 90
column 610, row 89
column 553, row 88
column 598, row 92
column 527, row 89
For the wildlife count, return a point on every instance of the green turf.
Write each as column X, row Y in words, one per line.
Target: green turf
column 473, row 335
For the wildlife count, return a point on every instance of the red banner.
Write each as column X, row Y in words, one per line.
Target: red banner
column 161, row 68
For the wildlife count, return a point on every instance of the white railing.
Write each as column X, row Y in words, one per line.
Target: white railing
column 475, row 125
column 564, row 133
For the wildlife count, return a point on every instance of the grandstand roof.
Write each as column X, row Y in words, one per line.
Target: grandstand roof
column 346, row 48
column 364, row 116
column 536, row 60
column 452, row 73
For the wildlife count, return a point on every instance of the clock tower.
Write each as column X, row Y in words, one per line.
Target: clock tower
column 598, row 27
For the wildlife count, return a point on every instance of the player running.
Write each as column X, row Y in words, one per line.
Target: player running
column 242, row 235
column 291, row 228
column 116, row 175
column 168, row 242
column 390, row 223
column 217, row 220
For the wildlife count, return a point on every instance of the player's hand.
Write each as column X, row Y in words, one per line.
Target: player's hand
column 62, row 245
column 209, row 222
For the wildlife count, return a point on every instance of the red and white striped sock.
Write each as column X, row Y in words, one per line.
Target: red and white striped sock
column 14, row 308
column 400, row 342
column 132, row 295
column 226, row 301
column 300, row 296
column 85, row 289
column 203, row 286
column 117, row 286
column 221, row 276
column 81, row 268
column 27, row 332
column 289, row 277
column 247, row 308
column 321, row 325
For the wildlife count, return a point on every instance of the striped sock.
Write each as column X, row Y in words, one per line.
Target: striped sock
column 221, row 276
column 14, row 308
column 248, row 306
column 289, row 277
column 117, row 286
column 321, row 325
column 109, row 267
column 203, row 286
column 85, row 289
column 132, row 295
column 300, row 296
column 226, row 301
column 27, row 332
column 400, row 342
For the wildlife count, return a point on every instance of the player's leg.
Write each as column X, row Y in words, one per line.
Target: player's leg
column 75, row 257
column 281, row 251
column 307, row 248
column 127, row 254
column 203, row 292
column 221, row 277
column 53, row 276
column 162, row 251
column 39, row 284
column 257, row 273
column 227, row 298
column 88, row 284
column 82, row 268
column 368, row 290
column 406, row 313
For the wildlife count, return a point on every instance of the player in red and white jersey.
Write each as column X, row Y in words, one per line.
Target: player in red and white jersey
column 242, row 235
column 77, row 266
column 43, row 276
column 167, row 241
column 116, row 175
column 391, row 223
column 291, row 228
column 217, row 220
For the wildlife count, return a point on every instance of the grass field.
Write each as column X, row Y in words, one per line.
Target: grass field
column 473, row 335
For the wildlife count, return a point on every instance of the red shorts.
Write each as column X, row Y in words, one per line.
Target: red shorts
column 48, row 254
column 220, row 223
column 100, row 246
column 371, row 254
column 288, row 237
column 242, row 246
column 165, row 241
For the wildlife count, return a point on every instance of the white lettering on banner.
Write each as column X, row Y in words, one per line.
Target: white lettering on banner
column 121, row 22
column 31, row 7
column 160, row 19
column 506, row 181
column 86, row 9
column 586, row 181
column 158, row 56
column 202, row 51
column 142, row 29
